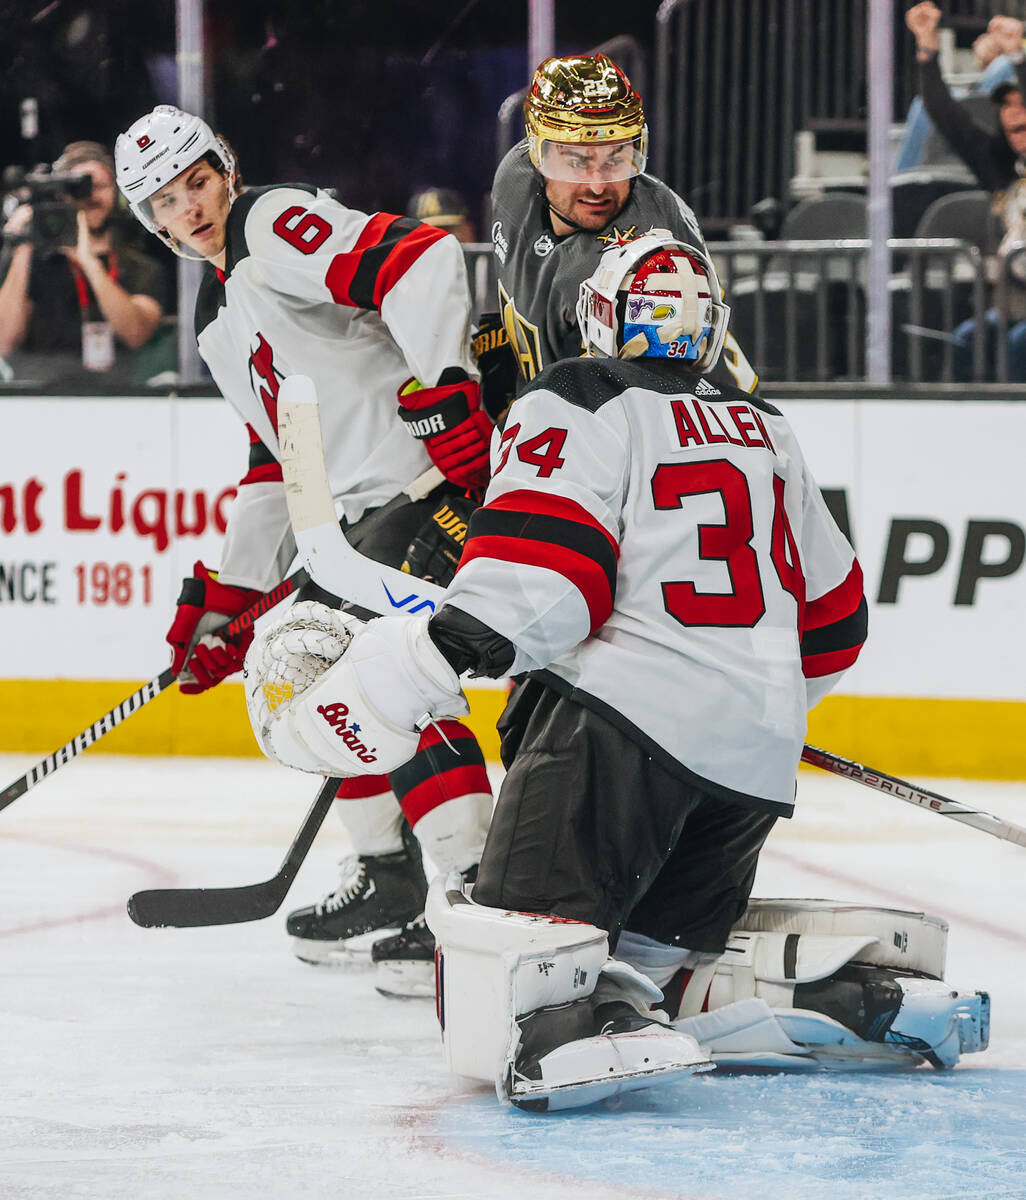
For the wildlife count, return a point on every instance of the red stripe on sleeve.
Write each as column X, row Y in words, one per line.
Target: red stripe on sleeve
column 814, row 666
column 266, row 473
column 583, row 572
column 405, row 254
column 269, row 472
column 837, row 604
column 344, row 266
column 545, row 505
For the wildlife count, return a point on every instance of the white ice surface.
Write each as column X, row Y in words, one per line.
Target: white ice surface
column 142, row 1064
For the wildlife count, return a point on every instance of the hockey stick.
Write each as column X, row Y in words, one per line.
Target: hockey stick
column 186, row 908
column 142, row 695
column 891, row 785
column 336, row 565
column 332, row 561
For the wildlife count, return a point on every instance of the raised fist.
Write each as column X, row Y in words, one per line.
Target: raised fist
column 1007, row 32
column 922, row 20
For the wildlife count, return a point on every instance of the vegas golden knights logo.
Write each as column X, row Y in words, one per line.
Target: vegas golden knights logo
column 523, row 336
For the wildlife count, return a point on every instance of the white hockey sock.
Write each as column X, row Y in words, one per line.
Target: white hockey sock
column 453, row 833
column 374, row 823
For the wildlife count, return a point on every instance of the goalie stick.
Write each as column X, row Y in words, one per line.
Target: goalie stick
column 142, row 695
column 186, row 908
column 340, row 568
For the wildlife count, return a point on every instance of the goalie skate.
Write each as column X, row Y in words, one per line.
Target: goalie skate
column 628, row 1052
column 376, row 895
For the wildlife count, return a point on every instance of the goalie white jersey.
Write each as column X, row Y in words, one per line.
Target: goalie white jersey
column 360, row 304
column 657, row 543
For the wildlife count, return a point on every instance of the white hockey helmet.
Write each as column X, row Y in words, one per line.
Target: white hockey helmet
column 157, row 148
column 654, row 296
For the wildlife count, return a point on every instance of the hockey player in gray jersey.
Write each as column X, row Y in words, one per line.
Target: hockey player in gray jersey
column 575, row 186
column 653, row 550
column 295, row 281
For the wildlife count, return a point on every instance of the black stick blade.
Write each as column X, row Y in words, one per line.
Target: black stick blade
column 188, row 908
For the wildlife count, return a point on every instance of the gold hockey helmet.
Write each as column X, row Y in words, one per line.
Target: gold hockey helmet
column 585, row 101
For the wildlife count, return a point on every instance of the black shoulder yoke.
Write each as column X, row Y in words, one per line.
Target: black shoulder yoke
column 591, row 382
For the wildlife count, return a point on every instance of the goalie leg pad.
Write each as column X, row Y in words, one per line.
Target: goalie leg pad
column 914, row 941
column 840, row 997
column 515, row 1000
column 493, row 966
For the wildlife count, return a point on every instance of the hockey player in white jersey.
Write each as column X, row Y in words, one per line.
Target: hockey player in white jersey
column 376, row 309
column 654, row 551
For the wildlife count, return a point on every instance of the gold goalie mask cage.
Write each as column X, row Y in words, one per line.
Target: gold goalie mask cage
column 585, row 122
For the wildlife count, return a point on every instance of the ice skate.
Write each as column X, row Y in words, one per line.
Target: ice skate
column 404, row 964
column 626, row 1052
column 376, row 894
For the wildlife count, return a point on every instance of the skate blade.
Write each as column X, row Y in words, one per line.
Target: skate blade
column 406, row 980
column 350, row 954
column 538, row 1097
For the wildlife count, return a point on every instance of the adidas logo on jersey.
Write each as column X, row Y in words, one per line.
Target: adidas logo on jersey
column 704, row 388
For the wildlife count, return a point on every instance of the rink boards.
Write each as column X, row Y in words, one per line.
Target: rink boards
column 105, row 504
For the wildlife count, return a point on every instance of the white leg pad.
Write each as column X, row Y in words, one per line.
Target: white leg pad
column 494, row 965
column 911, row 940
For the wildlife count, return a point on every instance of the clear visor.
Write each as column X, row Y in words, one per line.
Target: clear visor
column 600, row 162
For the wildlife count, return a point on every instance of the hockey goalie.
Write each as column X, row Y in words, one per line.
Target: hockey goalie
column 655, row 565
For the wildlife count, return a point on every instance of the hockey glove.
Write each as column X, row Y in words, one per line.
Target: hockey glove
column 449, row 421
column 363, row 715
column 434, row 554
column 497, row 363
column 199, row 659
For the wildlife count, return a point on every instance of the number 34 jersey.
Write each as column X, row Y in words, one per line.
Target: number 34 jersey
column 656, row 544
column 359, row 304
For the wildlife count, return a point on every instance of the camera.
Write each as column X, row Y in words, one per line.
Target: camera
column 54, row 199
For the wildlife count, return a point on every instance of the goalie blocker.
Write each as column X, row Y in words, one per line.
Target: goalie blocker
column 535, row 1004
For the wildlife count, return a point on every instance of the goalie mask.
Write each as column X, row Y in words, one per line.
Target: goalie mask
column 159, row 147
column 585, row 123
column 654, row 297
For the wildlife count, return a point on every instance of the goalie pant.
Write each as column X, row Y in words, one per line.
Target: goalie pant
column 443, row 791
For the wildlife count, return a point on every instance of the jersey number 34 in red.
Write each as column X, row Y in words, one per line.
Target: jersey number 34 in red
column 729, row 543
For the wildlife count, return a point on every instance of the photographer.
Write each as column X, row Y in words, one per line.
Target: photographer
column 73, row 297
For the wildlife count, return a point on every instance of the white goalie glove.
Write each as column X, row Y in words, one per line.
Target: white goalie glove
column 332, row 696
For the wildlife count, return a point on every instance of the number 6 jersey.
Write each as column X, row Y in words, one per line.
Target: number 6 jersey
column 657, row 546
column 360, row 304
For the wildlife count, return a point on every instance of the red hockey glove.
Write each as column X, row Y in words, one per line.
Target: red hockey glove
column 449, row 421
column 204, row 603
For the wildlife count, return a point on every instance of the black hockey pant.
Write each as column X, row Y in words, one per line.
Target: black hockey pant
column 588, row 826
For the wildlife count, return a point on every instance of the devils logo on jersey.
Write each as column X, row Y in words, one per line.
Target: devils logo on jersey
column 265, row 378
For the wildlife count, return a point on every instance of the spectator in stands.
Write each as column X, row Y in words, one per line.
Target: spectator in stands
column 68, row 311
column 995, row 69
column 445, row 209
column 998, row 161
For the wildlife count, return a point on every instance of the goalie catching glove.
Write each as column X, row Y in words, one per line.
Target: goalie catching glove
column 332, row 696
column 198, row 658
column 449, row 421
